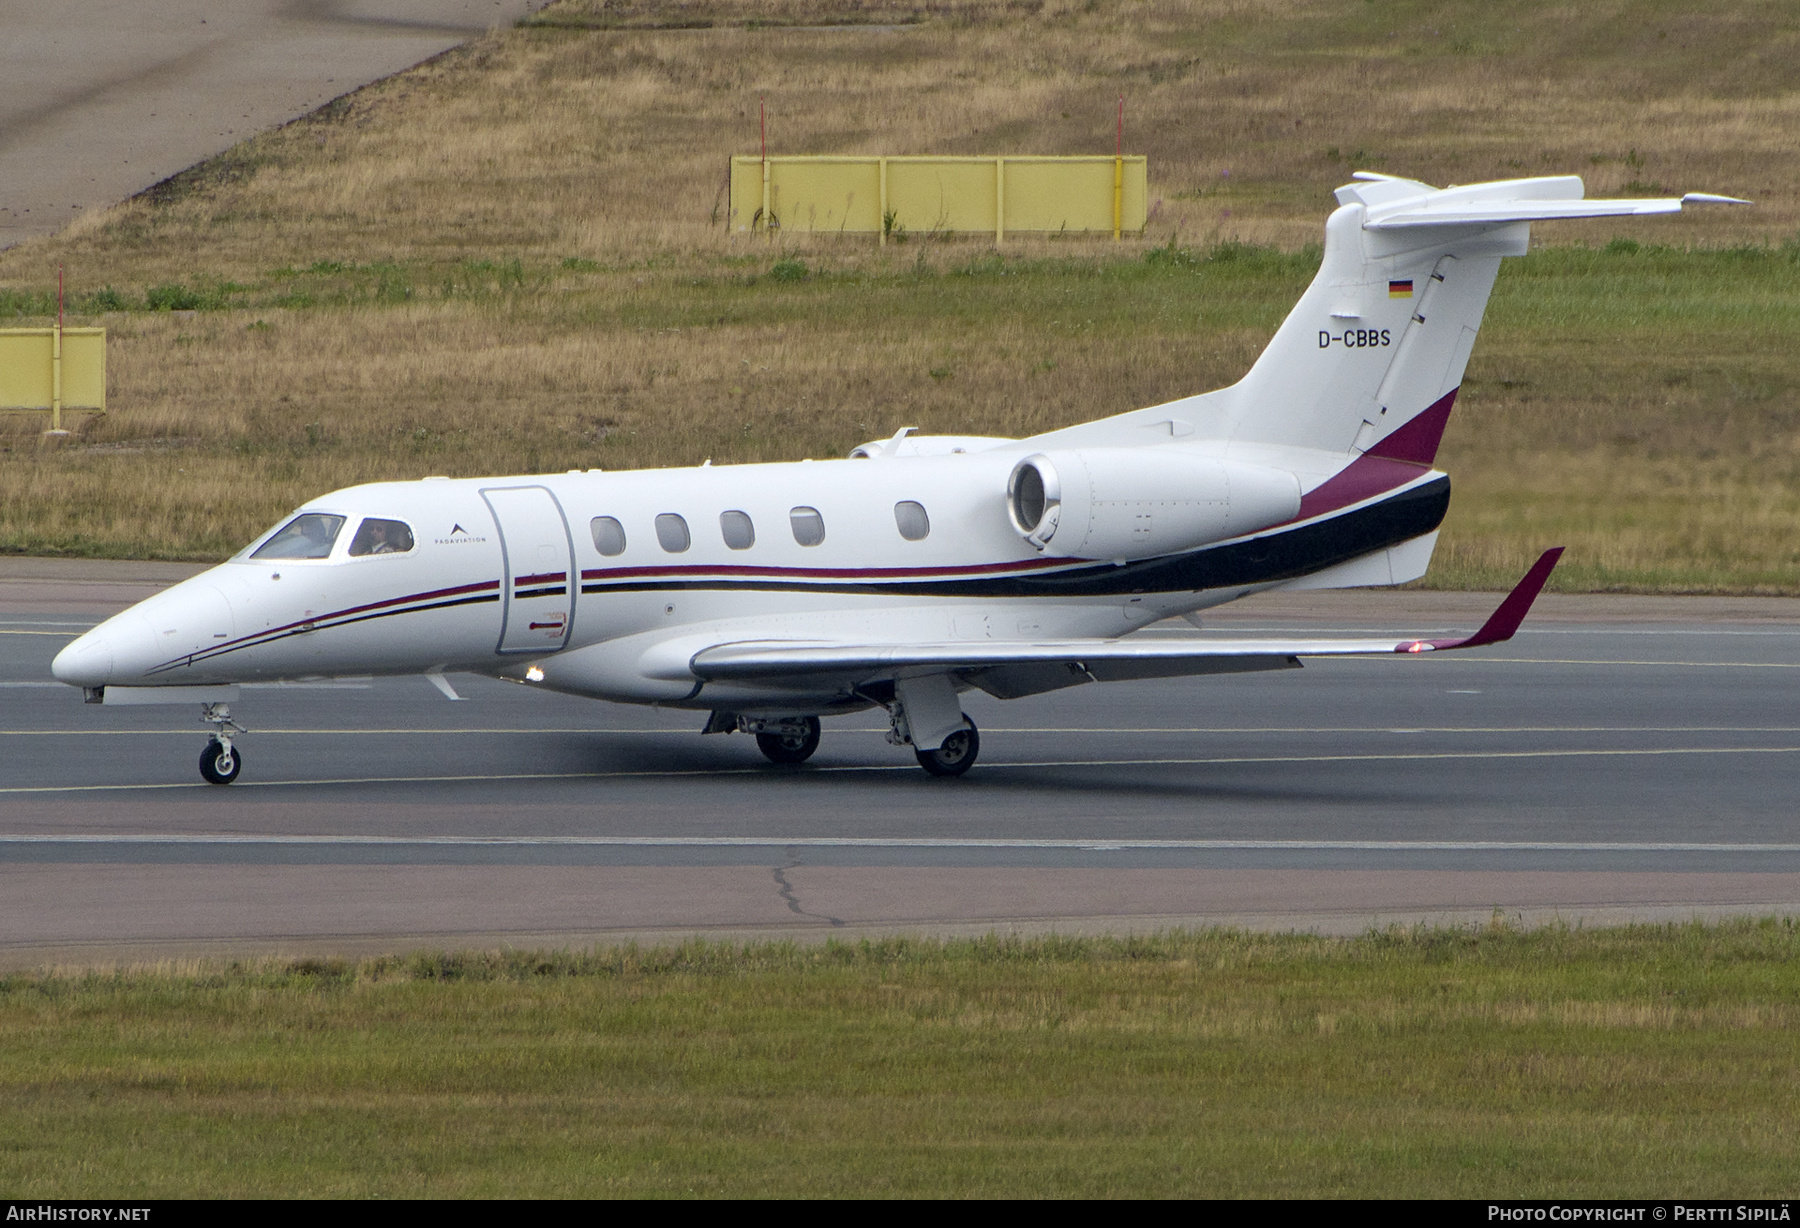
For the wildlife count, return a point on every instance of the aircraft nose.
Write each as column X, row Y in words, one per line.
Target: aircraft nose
column 117, row 651
column 86, row 662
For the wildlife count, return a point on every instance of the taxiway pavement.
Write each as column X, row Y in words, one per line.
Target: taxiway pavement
column 1622, row 758
column 104, row 98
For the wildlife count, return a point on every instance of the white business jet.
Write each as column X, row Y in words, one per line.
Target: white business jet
column 772, row 595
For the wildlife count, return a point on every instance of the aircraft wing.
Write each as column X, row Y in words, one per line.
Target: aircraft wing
column 1010, row 669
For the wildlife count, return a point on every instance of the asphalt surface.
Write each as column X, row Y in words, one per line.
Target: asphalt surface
column 1624, row 758
column 100, row 99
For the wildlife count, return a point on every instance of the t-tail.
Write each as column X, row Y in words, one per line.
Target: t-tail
column 1354, row 391
column 1370, row 360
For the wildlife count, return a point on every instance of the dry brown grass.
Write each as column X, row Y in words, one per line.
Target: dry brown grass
column 557, row 140
column 386, row 224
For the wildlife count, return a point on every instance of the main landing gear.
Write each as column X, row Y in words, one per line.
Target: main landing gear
column 781, row 739
column 926, row 714
column 793, row 739
column 955, row 756
column 220, row 762
column 789, row 741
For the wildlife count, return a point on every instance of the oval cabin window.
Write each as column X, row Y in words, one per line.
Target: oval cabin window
column 809, row 526
column 609, row 535
column 672, row 533
column 915, row 525
column 738, row 532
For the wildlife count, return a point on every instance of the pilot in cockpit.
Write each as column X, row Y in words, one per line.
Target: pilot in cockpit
column 381, row 537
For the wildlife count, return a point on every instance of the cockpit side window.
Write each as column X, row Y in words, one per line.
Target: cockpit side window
column 381, row 537
column 309, row 536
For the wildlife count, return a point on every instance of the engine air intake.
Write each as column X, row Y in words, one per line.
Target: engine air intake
column 1034, row 497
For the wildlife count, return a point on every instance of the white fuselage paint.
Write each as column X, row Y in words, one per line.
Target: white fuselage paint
column 622, row 627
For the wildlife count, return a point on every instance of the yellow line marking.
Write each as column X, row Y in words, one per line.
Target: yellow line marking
column 1096, row 844
column 259, row 730
column 1400, row 729
column 765, row 770
column 1427, row 755
column 997, row 729
column 1120, row 729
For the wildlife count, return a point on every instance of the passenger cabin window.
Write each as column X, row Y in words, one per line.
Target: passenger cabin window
column 381, row 537
column 304, row 537
column 809, row 526
column 609, row 535
column 915, row 525
column 739, row 533
column 672, row 532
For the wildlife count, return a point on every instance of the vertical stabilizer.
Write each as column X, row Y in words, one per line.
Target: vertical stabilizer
column 1370, row 359
column 1380, row 338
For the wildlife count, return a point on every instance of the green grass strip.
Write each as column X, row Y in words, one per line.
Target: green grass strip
column 1647, row 1062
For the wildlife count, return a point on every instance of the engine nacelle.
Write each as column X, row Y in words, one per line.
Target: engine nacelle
column 1135, row 503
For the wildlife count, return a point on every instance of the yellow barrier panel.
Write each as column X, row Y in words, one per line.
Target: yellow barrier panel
column 53, row 369
column 932, row 195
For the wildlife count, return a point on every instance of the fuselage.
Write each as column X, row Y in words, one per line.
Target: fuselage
column 597, row 583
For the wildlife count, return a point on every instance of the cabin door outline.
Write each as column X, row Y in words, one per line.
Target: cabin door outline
column 538, row 589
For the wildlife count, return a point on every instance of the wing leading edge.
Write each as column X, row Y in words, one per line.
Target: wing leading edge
column 1011, row 669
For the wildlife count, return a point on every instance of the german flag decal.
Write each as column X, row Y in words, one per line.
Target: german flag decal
column 1400, row 289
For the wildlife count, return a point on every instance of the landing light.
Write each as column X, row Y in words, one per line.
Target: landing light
column 534, row 674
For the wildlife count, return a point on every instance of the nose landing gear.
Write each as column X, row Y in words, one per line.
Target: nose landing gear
column 220, row 762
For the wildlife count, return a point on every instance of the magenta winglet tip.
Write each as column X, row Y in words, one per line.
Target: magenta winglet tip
column 1504, row 621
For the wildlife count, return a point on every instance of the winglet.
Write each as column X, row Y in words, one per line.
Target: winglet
column 1505, row 620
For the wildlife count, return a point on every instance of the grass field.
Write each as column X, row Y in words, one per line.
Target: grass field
column 1644, row 1063
column 511, row 259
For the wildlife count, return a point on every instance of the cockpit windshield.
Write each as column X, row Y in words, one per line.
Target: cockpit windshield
column 310, row 536
column 381, row 537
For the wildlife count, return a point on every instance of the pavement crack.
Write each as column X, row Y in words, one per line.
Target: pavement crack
column 786, row 889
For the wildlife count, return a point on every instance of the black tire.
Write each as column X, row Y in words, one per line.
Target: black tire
column 790, row 747
column 955, row 756
column 220, row 764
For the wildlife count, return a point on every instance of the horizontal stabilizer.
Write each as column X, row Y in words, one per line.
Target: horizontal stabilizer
column 1395, row 204
column 1494, row 213
column 1098, row 659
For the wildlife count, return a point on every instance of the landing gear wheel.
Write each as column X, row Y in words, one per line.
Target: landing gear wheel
column 955, row 756
column 220, row 764
column 790, row 747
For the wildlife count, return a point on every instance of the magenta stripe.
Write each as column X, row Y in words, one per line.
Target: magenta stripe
column 1404, row 456
column 1416, row 442
column 1363, row 478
